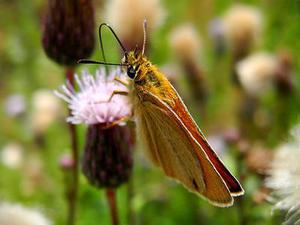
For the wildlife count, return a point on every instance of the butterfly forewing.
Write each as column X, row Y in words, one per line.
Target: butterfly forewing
column 172, row 155
column 177, row 152
column 184, row 116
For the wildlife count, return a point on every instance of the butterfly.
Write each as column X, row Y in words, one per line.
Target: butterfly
column 170, row 136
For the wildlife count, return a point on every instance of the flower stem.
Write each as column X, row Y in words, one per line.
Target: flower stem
column 130, row 193
column 111, row 198
column 73, row 189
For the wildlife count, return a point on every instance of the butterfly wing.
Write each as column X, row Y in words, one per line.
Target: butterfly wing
column 185, row 117
column 170, row 145
column 161, row 139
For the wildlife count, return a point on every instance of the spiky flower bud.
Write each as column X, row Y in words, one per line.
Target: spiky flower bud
column 107, row 160
column 68, row 32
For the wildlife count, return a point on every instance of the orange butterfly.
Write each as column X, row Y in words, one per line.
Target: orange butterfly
column 171, row 138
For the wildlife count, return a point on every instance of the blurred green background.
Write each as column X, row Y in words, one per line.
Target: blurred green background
column 39, row 182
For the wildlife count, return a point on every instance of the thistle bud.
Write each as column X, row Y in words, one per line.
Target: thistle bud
column 107, row 160
column 68, row 32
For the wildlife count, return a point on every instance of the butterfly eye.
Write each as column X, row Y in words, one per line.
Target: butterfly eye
column 131, row 72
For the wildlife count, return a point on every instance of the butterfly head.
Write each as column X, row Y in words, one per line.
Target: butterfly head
column 134, row 60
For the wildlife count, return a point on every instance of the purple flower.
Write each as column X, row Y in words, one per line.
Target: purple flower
column 107, row 158
column 91, row 105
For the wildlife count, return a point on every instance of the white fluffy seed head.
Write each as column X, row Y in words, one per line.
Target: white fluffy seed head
column 127, row 16
column 12, row 155
column 256, row 73
column 284, row 176
column 13, row 214
column 185, row 42
column 242, row 26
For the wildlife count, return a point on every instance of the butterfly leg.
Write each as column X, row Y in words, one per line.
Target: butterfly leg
column 122, row 120
column 115, row 92
column 121, row 81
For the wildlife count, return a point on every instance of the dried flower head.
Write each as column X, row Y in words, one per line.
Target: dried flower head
column 45, row 110
column 13, row 214
column 185, row 42
column 127, row 16
column 90, row 104
column 107, row 158
column 257, row 72
column 285, row 176
column 242, row 27
column 68, row 33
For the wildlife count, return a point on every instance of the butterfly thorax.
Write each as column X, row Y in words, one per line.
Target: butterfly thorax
column 149, row 79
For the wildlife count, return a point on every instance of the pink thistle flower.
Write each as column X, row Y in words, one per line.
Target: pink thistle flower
column 90, row 104
column 107, row 158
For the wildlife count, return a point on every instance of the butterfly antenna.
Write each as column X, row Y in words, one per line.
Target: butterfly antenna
column 88, row 61
column 115, row 35
column 145, row 36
